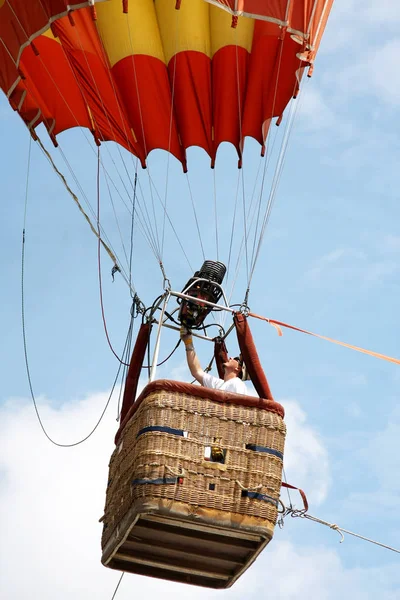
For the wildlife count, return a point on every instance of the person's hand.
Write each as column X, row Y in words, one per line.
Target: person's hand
column 184, row 333
column 186, row 337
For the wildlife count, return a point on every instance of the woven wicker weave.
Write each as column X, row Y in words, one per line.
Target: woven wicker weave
column 193, row 480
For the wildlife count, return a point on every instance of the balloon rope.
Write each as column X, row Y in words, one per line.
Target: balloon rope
column 76, row 200
column 145, row 228
column 216, row 214
column 157, row 237
column 177, row 21
column 118, row 103
column 25, row 340
column 271, row 194
column 279, row 324
column 171, row 225
column 113, row 131
column 299, row 513
column 251, row 216
column 85, row 136
column 275, row 182
column 105, row 112
column 158, row 250
column 49, row 126
column 82, row 90
column 99, row 96
column 195, row 215
column 117, row 223
column 233, row 232
column 276, row 177
column 132, row 227
column 118, row 584
column 59, row 91
column 99, row 262
column 133, row 184
column 241, row 143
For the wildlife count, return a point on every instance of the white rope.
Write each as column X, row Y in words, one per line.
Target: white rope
column 249, row 489
column 275, row 183
column 143, row 133
column 241, row 146
column 271, row 196
column 87, row 139
column 171, row 119
column 108, row 248
column 178, row 472
column 195, row 215
column 340, row 530
column 146, row 226
column 216, row 213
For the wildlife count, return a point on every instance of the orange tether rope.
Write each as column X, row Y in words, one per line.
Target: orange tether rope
column 279, row 324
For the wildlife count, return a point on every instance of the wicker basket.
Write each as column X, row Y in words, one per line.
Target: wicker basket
column 198, row 465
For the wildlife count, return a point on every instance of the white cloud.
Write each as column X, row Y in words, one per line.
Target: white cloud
column 376, row 454
column 390, row 243
column 373, row 73
column 337, row 260
column 353, row 23
column 385, row 11
column 306, row 459
column 345, row 265
column 355, row 91
column 314, row 111
column 381, row 455
column 384, row 73
column 318, row 573
column 354, row 410
column 51, row 499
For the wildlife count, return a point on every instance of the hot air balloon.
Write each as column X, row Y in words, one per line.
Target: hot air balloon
column 121, row 69
column 193, row 492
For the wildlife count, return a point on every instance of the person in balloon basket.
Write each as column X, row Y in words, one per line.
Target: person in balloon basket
column 233, row 369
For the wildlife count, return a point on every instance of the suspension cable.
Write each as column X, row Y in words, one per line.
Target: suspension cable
column 55, row 443
column 233, row 223
column 272, row 114
column 241, row 143
column 216, row 214
column 177, row 22
column 304, row 515
column 195, row 216
column 118, row 584
column 172, row 226
column 118, row 225
column 143, row 129
column 76, row 200
column 112, row 130
column 77, row 122
column 275, row 182
column 99, row 260
column 132, row 226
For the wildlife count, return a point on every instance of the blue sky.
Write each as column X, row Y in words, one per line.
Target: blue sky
column 329, row 263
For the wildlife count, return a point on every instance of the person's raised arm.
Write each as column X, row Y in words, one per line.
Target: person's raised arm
column 191, row 356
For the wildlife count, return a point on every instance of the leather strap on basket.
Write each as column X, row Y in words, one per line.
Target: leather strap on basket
column 221, row 355
column 302, row 494
column 250, row 356
column 135, row 367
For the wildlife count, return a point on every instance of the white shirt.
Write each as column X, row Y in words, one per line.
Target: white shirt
column 234, row 385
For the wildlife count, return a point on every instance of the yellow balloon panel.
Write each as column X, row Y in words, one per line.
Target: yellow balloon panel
column 49, row 34
column 129, row 34
column 184, row 29
column 222, row 34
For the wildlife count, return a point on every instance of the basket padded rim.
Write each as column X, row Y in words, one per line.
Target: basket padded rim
column 198, row 391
